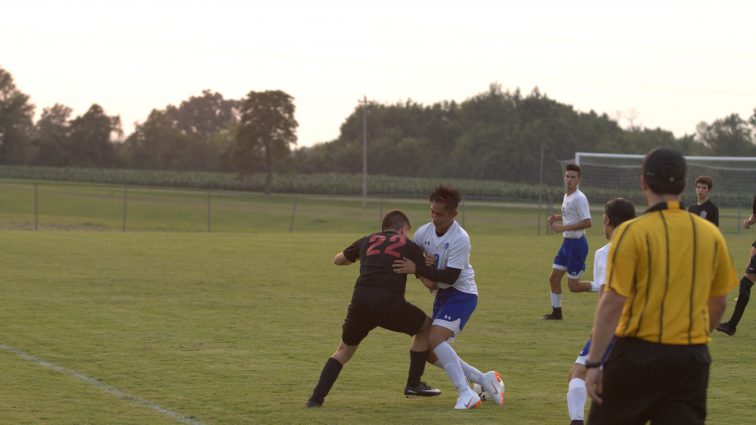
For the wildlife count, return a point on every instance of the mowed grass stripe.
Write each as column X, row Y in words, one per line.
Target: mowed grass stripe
column 100, row 385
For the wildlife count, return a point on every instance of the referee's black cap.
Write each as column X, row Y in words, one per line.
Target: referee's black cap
column 664, row 165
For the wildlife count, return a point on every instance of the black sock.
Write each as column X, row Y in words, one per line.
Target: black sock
column 328, row 376
column 743, row 296
column 417, row 367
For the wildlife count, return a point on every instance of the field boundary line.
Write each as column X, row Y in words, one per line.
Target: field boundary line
column 100, row 385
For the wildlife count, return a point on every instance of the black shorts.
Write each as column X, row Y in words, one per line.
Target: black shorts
column 643, row 381
column 398, row 316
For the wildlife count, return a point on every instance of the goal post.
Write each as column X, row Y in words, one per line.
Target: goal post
column 608, row 175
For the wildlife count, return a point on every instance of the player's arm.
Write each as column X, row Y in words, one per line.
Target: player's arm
column 554, row 218
column 717, row 307
column 580, row 225
column 608, row 314
column 341, row 260
column 431, row 285
column 715, row 216
column 406, row 266
column 349, row 255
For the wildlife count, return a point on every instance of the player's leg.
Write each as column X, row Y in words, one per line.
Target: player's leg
column 555, row 280
column 451, row 311
column 558, row 270
column 356, row 328
column 330, row 373
column 577, row 394
column 407, row 318
column 744, row 295
column 577, row 254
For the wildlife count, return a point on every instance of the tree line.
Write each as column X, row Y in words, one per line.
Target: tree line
column 494, row 135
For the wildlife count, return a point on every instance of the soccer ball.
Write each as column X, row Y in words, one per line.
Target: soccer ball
column 484, row 394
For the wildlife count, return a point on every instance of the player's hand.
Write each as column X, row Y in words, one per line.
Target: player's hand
column 404, row 266
column 430, row 260
column 558, row 228
column 431, row 285
column 552, row 218
column 749, row 221
column 593, row 380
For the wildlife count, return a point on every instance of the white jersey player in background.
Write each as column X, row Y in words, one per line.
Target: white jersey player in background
column 457, row 296
column 616, row 211
column 575, row 218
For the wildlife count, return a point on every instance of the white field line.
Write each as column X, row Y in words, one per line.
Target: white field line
column 102, row 386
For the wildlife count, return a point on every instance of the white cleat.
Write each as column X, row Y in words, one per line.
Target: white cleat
column 493, row 387
column 467, row 400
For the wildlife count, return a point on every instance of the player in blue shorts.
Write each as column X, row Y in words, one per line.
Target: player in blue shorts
column 448, row 244
column 616, row 211
column 575, row 218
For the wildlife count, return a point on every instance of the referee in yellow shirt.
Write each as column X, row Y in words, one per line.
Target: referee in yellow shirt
column 668, row 273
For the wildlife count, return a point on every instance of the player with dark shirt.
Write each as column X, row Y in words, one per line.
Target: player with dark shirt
column 703, row 206
column 746, row 282
column 378, row 301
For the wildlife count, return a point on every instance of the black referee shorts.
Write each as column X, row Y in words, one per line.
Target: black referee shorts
column 398, row 316
column 643, row 381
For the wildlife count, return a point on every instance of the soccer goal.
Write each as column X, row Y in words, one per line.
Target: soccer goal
column 608, row 175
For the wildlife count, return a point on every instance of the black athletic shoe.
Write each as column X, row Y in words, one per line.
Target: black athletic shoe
column 556, row 314
column 726, row 328
column 576, row 422
column 422, row 390
column 314, row 403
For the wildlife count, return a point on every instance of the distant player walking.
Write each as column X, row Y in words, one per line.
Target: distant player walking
column 575, row 218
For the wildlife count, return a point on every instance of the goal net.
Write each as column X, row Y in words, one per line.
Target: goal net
column 606, row 176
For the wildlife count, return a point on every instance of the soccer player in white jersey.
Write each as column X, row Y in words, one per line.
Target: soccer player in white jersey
column 575, row 218
column 448, row 244
column 616, row 211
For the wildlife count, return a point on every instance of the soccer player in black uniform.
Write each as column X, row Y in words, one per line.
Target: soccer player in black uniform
column 703, row 206
column 746, row 282
column 378, row 300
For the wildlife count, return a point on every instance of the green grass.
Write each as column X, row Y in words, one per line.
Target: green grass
column 233, row 326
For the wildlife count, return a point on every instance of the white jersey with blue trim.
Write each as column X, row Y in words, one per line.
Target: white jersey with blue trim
column 450, row 250
column 574, row 209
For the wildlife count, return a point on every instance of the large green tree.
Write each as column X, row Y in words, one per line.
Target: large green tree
column 16, row 123
column 266, row 132
column 52, row 132
column 196, row 135
column 729, row 136
column 89, row 141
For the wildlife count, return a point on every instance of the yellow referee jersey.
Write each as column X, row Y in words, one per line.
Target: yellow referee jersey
column 667, row 263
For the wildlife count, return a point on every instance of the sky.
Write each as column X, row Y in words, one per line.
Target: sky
column 662, row 63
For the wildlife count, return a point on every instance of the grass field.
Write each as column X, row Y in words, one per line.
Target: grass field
column 233, row 326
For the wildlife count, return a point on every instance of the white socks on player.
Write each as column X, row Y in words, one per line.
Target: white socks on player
column 576, row 397
column 471, row 373
column 556, row 300
column 595, row 286
column 448, row 359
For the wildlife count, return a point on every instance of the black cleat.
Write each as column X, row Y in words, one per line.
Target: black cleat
column 727, row 328
column 576, row 422
column 314, row 403
column 556, row 314
column 422, row 390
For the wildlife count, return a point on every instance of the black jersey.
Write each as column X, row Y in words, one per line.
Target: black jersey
column 377, row 252
column 707, row 210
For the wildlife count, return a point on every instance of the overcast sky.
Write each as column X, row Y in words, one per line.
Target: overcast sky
column 666, row 63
